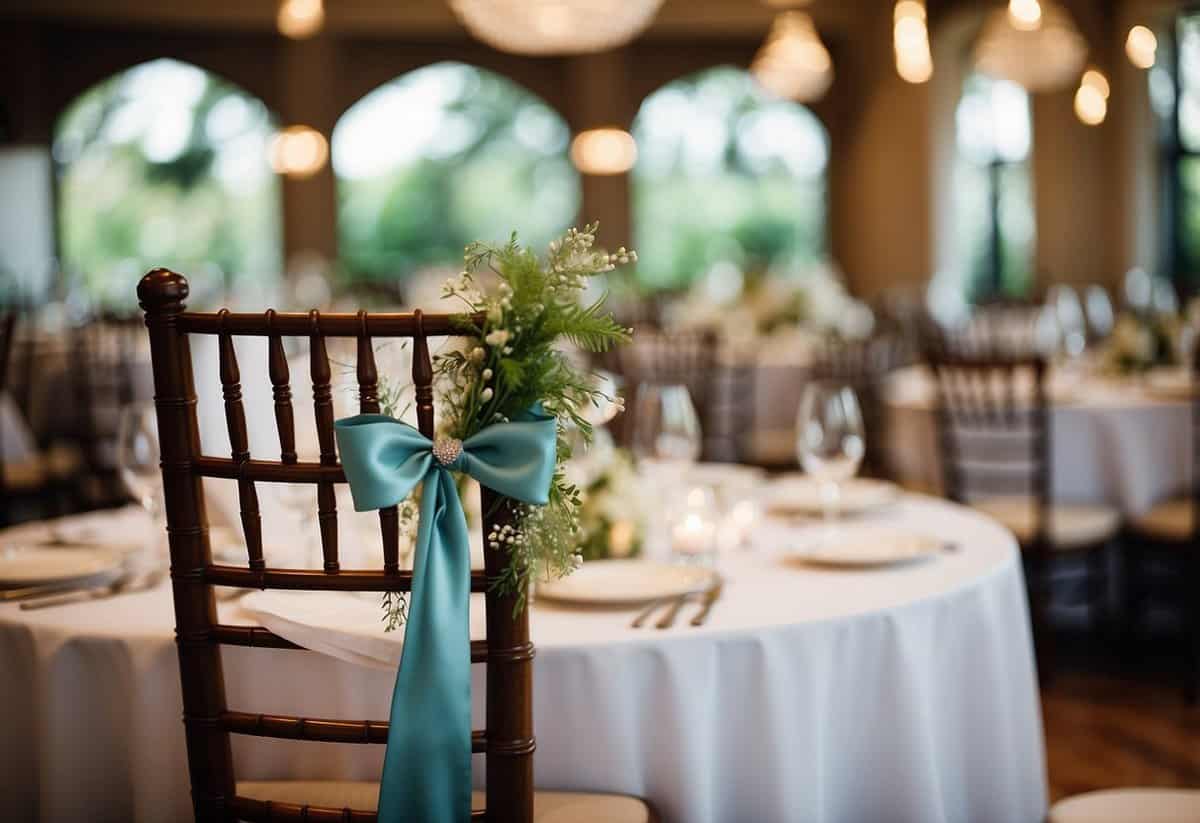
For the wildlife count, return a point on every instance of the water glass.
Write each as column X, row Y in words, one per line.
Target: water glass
column 829, row 439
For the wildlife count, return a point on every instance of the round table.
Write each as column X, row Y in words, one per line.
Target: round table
column 1113, row 441
column 905, row 693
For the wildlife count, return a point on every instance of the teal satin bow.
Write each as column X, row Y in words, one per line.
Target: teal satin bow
column 427, row 768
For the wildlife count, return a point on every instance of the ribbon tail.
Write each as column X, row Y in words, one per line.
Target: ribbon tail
column 427, row 767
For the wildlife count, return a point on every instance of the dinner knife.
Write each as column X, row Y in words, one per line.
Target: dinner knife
column 710, row 597
column 124, row 585
column 41, row 589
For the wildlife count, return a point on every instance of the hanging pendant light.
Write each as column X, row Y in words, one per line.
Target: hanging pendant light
column 910, row 41
column 793, row 62
column 545, row 27
column 1034, row 44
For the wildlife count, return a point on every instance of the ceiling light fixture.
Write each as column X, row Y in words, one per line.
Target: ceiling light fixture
column 299, row 19
column 544, row 27
column 793, row 62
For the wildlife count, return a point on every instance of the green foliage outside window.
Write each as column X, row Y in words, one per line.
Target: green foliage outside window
column 725, row 174
column 165, row 165
column 440, row 158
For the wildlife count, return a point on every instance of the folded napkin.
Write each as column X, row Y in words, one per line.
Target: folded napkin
column 342, row 625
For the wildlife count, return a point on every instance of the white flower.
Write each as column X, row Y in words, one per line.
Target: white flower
column 497, row 338
column 487, row 374
column 486, row 395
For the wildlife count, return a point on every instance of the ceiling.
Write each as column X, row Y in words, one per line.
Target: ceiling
column 411, row 17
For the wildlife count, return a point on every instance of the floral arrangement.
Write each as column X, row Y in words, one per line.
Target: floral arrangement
column 814, row 301
column 611, row 518
column 1141, row 341
column 515, row 360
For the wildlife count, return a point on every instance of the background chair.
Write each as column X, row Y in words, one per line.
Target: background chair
column 718, row 390
column 1162, row 556
column 864, row 366
column 36, row 480
column 994, row 437
column 507, row 741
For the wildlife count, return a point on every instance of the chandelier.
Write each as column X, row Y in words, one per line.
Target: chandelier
column 544, row 27
column 1034, row 44
column 793, row 62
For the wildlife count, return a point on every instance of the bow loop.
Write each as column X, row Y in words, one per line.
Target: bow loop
column 385, row 458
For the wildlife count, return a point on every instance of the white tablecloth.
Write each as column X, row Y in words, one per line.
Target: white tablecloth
column 1112, row 441
column 900, row 694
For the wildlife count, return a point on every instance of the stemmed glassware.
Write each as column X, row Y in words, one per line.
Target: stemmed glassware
column 829, row 439
column 666, row 429
column 666, row 441
column 138, row 458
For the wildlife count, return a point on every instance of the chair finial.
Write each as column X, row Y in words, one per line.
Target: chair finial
column 161, row 287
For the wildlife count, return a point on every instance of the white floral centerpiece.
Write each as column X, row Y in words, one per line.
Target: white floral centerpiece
column 783, row 306
column 612, row 517
column 1141, row 341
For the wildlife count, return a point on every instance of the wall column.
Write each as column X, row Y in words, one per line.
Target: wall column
column 306, row 81
column 598, row 95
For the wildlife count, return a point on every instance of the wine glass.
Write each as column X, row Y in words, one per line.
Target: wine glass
column 1068, row 314
column 138, row 458
column 1099, row 311
column 829, row 439
column 666, row 429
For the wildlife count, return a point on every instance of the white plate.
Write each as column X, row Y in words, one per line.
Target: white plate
column 723, row 474
column 34, row 565
column 861, row 547
column 803, row 495
column 624, row 583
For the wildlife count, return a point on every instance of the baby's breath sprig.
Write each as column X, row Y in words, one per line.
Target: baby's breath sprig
column 515, row 361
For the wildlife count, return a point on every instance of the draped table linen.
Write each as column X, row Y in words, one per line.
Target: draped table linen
column 899, row 694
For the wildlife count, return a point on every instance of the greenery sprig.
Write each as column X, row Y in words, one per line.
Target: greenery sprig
column 517, row 360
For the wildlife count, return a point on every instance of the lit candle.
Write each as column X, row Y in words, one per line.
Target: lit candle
column 693, row 535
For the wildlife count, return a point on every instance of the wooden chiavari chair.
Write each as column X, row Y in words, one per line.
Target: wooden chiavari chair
column 507, row 742
column 105, row 353
column 1166, row 540
column 994, row 437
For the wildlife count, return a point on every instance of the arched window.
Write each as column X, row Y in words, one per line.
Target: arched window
column 993, row 198
column 443, row 156
column 165, row 164
column 1175, row 96
column 726, row 174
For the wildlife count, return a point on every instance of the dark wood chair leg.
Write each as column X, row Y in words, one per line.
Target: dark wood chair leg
column 1191, row 604
column 1097, row 590
column 1038, row 583
column 1133, row 597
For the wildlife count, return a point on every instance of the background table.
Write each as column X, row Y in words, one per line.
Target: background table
column 1112, row 441
column 899, row 694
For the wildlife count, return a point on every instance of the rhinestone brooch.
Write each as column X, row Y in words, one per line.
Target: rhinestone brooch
column 447, row 450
